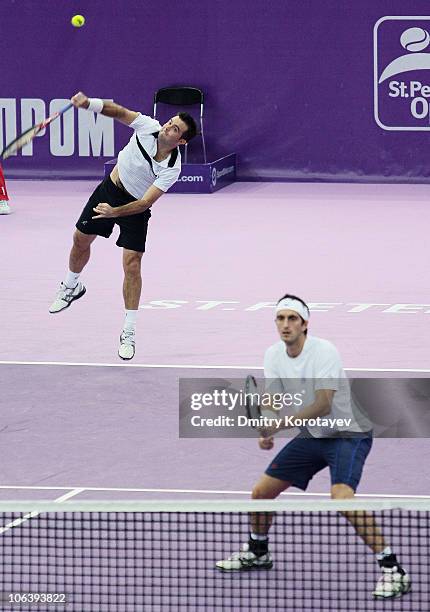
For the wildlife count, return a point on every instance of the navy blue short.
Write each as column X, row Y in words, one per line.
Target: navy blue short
column 303, row 457
column 132, row 228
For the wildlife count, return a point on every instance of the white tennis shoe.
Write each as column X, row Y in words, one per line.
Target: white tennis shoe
column 392, row 583
column 127, row 344
column 65, row 296
column 245, row 560
column 4, row 208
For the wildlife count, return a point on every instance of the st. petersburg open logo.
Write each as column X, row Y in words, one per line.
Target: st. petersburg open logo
column 402, row 73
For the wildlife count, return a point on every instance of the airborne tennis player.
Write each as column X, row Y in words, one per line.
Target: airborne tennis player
column 147, row 167
column 314, row 364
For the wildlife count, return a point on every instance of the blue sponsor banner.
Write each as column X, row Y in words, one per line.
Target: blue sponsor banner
column 223, row 172
column 402, row 73
column 200, row 178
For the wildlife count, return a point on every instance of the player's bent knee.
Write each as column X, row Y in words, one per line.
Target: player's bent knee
column 132, row 262
column 258, row 493
column 132, row 268
column 342, row 491
column 82, row 241
column 268, row 488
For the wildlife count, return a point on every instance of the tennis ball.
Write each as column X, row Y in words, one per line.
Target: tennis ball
column 78, row 21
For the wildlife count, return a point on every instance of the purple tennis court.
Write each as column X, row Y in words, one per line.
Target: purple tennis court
column 208, row 304
column 290, row 139
column 90, row 428
column 215, row 266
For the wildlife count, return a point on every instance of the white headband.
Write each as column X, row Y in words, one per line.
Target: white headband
column 289, row 304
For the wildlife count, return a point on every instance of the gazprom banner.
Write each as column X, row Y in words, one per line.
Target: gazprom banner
column 75, row 133
column 348, row 101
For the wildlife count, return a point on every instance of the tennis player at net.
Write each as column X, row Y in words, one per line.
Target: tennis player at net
column 314, row 362
column 147, row 167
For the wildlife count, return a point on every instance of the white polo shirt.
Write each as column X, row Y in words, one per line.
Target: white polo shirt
column 318, row 366
column 135, row 172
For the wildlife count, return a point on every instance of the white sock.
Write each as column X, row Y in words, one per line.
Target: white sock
column 385, row 553
column 257, row 536
column 71, row 279
column 130, row 320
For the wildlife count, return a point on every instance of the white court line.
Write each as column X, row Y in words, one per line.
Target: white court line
column 77, row 490
column 30, row 515
column 68, row 495
column 192, row 366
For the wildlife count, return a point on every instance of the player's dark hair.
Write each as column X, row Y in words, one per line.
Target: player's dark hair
column 289, row 296
column 191, row 125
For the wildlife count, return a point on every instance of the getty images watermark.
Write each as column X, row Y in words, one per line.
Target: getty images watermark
column 227, row 408
column 389, row 407
column 230, row 401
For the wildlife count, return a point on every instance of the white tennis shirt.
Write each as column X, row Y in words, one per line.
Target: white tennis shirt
column 135, row 173
column 318, row 366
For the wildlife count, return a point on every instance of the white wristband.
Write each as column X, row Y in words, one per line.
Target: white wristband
column 95, row 105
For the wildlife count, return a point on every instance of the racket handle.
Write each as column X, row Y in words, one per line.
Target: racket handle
column 66, row 108
column 52, row 118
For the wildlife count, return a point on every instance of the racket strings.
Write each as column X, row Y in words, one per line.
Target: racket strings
column 20, row 142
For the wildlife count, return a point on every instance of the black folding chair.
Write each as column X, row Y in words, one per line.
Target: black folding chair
column 182, row 96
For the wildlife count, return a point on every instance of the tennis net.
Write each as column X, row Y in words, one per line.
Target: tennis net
column 160, row 555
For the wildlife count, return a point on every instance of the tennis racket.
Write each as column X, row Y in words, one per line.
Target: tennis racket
column 29, row 134
column 253, row 409
column 252, row 399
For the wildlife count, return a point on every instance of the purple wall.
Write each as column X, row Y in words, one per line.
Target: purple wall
column 290, row 85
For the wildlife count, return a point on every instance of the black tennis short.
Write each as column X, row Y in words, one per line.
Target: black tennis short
column 132, row 229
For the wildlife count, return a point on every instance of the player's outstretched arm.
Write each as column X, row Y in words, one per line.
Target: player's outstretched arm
column 105, row 107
